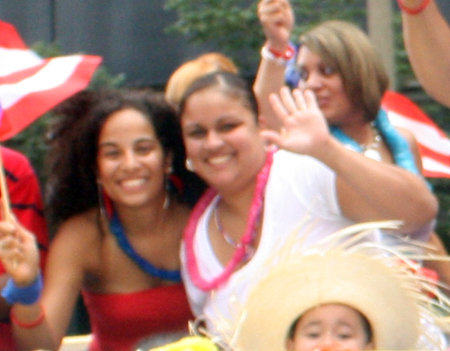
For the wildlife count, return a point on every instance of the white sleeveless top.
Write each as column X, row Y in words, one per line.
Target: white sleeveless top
column 300, row 189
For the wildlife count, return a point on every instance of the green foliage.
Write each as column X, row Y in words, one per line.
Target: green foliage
column 46, row 50
column 234, row 28
column 31, row 143
column 104, row 79
column 309, row 13
column 224, row 23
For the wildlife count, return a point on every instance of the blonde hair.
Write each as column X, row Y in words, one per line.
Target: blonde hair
column 188, row 72
column 345, row 47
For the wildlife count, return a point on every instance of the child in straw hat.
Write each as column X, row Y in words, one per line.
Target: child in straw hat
column 342, row 294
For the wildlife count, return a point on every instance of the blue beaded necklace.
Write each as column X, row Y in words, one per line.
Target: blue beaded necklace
column 399, row 147
column 116, row 228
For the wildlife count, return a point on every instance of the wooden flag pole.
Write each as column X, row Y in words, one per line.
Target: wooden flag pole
column 5, row 194
column 5, row 200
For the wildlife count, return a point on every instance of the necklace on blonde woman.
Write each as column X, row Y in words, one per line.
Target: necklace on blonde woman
column 242, row 249
column 397, row 144
column 372, row 150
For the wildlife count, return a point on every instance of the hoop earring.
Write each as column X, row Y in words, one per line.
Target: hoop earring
column 167, row 198
column 189, row 165
column 166, row 201
column 104, row 202
column 168, row 186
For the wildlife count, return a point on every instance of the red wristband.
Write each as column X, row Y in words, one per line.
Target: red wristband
column 27, row 325
column 287, row 55
column 413, row 11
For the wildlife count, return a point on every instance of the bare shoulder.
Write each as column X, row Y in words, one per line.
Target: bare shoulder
column 81, row 226
column 408, row 135
column 73, row 253
column 413, row 145
column 77, row 236
column 411, row 139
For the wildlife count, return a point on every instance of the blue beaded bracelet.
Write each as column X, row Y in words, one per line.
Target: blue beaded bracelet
column 26, row 295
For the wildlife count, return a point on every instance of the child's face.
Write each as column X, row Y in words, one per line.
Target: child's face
column 330, row 327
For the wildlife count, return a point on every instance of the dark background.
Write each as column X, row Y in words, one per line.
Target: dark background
column 129, row 34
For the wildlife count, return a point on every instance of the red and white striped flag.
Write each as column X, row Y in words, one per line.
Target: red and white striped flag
column 31, row 85
column 434, row 144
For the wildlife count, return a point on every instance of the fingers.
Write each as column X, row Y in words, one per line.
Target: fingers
column 7, row 228
column 13, row 239
column 310, row 99
column 297, row 100
column 288, row 100
column 287, row 103
column 18, row 251
column 278, row 107
column 300, row 100
column 269, row 8
column 6, row 243
column 6, row 213
column 8, row 237
column 7, row 231
column 10, row 252
column 305, row 99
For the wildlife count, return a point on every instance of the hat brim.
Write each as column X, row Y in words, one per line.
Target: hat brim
column 356, row 280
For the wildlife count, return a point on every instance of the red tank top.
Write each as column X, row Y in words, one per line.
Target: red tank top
column 120, row 321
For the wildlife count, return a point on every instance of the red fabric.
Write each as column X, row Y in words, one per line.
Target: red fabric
column 6, row 339
column 31, row 86
column 25, row 197
column 26, row 204
column 120, row 321
column 9, row 37
column 434, row 145
column 415, row 10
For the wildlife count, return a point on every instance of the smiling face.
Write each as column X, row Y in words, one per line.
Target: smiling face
column 347, row 51
column 222, row 139
column 131, row 161
column 330, row 327
column 327, row 84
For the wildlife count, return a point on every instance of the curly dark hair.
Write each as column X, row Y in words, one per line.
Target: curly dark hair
column 73, row 139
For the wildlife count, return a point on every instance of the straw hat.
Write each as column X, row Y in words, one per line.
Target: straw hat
column 339, row 270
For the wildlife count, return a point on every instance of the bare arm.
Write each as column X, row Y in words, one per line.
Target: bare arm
column 277, row 20
column 63, row 278
column 414, row 147
column 442, row 268
column 368, row 190
column 427, row 41
column 4, row 307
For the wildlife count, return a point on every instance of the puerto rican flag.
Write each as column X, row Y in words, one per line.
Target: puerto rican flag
column 31, row 85
column 434, row 144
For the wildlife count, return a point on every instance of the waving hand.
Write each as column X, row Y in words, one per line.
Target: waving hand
column 304, row 128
